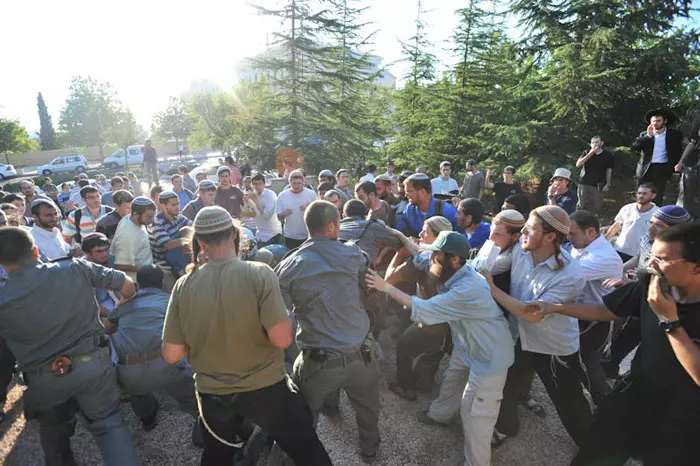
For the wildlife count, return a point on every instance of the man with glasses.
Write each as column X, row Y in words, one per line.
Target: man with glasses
column 84, row 220
column 652, row 413
column 632, row 222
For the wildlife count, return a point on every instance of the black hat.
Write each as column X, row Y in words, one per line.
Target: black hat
column 664, row 112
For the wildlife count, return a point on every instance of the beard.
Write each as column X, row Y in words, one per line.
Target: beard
column 441, row 270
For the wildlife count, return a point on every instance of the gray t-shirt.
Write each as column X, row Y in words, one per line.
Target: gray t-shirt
column 473, row 184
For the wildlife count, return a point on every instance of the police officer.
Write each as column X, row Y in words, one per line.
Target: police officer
column 337, row 348
column 136, row 327
column 49, row 320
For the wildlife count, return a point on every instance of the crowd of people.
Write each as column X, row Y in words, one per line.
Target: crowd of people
column 254, row 310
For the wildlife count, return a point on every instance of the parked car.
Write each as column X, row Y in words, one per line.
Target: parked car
column 119, row 158
column 68, row 163
column 7, row 171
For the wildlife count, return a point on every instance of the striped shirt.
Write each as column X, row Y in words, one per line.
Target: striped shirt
column 88, row 223
column 162, row 231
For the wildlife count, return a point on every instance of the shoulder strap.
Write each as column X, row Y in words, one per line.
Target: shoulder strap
column 439, row 205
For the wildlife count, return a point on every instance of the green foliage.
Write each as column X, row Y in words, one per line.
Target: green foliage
column 89, row 112
column 14, row 138
column 47, row 134
column 173, row 122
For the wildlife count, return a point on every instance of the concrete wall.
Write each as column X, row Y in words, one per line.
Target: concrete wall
column 92, row 154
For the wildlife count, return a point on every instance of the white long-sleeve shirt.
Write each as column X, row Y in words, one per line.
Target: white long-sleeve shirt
column 268, row 225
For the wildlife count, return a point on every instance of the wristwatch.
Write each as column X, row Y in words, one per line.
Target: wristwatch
column 669, row 326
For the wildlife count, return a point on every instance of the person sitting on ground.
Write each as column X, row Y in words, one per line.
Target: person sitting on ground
column 206, row 198
column 131, row 247
column 560, row 193
column 107, row 225
column 169, row 238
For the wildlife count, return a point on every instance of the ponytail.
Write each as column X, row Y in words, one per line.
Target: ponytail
column 196, row 250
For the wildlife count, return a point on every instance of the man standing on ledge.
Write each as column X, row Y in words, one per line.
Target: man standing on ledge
column 150, row 163
column 236, row 351
column 596, row 176
column 659, row 150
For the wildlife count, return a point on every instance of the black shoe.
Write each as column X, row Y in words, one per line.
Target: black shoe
column 151, row 421
column 401, row 392
column 535, row 407
column 198, row 433
column 424, row 418
column 497, row 439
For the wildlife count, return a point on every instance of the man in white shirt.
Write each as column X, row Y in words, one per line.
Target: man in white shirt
column 599, row 262
column 291, row 205
column 131, row 246
column 543, row 271
column 443, row 184
column 47, row 236
column 633, row 222
column 265, row 202
column 371, row 169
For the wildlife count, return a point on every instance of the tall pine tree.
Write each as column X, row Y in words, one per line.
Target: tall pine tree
column 46, row 133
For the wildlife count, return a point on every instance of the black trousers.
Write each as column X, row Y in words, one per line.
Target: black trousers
column 632, row 422
column 279, row 409
column 658, row 174
column 418, row 354
column 562, row 376
column 293, row 243
column 627, row 339
column 593, row 339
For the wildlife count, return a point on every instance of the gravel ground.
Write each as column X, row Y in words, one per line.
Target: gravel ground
column 405, row 441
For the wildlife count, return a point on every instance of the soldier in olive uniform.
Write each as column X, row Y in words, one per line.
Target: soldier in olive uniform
column 49, row 319
column 320, row 283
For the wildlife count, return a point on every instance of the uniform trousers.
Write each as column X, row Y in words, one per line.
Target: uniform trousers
column 627, row 339
column 478, row 400
column 419, row 352
column 7, row 369
column 361, row 384
column 562, row 376
column 279, row 409
column 141, row 380
column 90, row 389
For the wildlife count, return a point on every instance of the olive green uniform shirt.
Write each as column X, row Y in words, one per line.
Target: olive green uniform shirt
column 221, row 311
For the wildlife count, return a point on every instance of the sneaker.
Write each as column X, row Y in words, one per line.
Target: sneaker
column 151, row 421
column 401, row 392
column 497, row 439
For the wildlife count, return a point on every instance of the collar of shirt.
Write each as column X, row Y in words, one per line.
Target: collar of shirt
column 42, row 232
column 19, row 271
column 596, row 245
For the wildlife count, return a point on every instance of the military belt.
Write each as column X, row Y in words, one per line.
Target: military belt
column 341, row 360
column 97, row 353
column 132, row 359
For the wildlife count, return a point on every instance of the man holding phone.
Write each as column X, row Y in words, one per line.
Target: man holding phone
column 596, row 176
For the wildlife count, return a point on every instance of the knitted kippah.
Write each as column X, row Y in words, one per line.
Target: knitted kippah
column 140, row 200
column 672, row 214
column 438, row 224
column 510, row 218
column 165, row 195
column 207, row 184
column 212, row 220
column 222, row 169
column 556, row 217
column 418, row 176
column 41, row 200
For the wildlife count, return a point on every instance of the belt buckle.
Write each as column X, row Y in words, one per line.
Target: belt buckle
column 61, row 366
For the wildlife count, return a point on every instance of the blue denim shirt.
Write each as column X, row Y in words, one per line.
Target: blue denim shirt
column 140, row 322
column 477, row 324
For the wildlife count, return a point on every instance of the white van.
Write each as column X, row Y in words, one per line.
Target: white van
column 119, row 159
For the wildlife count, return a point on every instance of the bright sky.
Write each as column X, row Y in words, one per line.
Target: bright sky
column 150, row 50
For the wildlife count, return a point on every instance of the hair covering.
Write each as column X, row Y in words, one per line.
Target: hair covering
column 672, row 214
column 555, row 217
column 222, row 169
column 165, row 195
column 44, row 201
column 561, row 173
column 212, row 220
column 325, row 173
column 438, row 224
column 509, row 218
column 418, row 176
column 144, row 201
column 206, row 184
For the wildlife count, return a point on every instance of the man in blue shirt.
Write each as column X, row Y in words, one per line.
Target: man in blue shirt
column 559, row 192
column 470, row 219
column 483, row 345
column 419, row 192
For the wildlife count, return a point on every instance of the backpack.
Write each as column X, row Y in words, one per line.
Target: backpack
column 79, row 216
column 439, row 205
